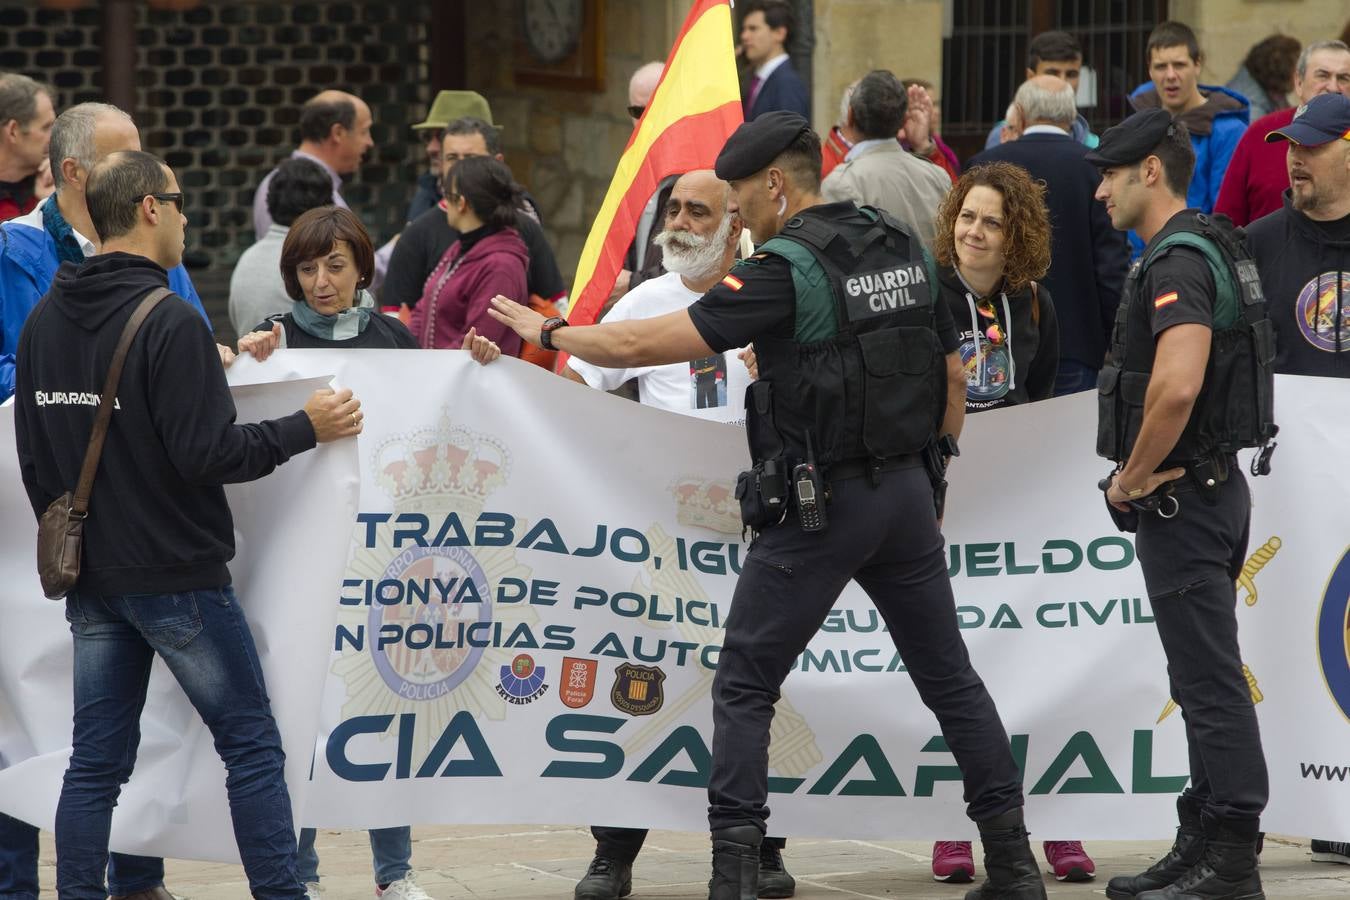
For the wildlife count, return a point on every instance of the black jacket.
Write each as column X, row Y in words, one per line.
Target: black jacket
column 1305, row 275
column 383, row 333
column 1088, row 258
column 158, row 520
column 992, row 378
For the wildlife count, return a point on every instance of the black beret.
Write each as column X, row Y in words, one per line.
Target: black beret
column 1131, row 140
column 754, row 145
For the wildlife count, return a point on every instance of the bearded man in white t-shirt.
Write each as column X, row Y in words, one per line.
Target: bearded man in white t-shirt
column 698, row 243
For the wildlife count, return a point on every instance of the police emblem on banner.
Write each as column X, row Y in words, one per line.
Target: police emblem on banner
column 637, row 689
column 576, row 685
column 522, row 681
column 1333, row 634
column 418, row 628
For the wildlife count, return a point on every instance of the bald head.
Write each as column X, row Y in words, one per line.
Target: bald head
column 1046, row 100
column 643, row 83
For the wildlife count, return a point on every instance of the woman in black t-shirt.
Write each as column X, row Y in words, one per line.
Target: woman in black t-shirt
column 992, row 241
column 326, row 264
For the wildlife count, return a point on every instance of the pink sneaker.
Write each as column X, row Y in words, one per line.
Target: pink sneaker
column 952, row 862
column 1069, row 861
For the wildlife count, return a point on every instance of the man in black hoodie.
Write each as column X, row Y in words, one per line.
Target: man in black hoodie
column 1303, row 249
column 154, row 576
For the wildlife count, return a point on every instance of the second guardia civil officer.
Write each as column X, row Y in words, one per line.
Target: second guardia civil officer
column 839, row 303
column 1188, row 383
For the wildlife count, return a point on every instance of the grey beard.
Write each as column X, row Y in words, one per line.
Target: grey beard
column 692, row 256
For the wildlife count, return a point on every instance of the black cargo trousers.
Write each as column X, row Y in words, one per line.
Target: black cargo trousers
column 1190, row 564
column 886, row 538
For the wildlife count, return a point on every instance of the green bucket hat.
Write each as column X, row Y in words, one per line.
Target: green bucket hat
column 451, row 105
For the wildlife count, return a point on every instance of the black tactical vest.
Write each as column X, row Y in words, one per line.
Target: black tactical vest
column 864, row 375
column 1235, row 408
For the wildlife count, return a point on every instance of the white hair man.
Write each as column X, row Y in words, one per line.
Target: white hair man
column 700, row 230
column 1088, row 257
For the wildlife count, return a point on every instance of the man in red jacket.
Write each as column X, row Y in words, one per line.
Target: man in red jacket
column 1257, row 177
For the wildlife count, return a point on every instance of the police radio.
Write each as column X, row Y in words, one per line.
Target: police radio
column 809, row 489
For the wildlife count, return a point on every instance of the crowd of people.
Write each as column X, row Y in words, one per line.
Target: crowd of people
column 1019, row 263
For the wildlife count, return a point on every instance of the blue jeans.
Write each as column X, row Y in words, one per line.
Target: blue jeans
column 204, row 639
column 390, row 847
column 1074, row 377
column 19, row 865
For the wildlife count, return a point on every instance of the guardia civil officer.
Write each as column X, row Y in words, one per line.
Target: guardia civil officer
column 839, row 303
column 1187, row 383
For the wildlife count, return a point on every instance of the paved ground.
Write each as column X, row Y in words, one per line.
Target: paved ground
column 544, row 862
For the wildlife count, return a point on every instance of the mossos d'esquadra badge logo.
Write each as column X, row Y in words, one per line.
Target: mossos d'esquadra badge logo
column 638, row 689
column 432, row 638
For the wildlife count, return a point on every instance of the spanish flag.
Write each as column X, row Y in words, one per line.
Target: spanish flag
column 696, row 107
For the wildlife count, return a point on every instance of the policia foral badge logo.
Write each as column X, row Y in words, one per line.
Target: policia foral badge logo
column 637, row 689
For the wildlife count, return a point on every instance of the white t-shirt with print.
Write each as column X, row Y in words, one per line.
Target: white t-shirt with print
column 710, row 388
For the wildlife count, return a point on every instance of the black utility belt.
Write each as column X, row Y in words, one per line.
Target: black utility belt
column 852, row 468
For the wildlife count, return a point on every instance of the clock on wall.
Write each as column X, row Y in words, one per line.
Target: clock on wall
column 561, row 44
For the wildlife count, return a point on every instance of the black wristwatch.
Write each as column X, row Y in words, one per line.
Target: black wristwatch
column 546, row 331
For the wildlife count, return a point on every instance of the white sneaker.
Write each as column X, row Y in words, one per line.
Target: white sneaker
column 406, row 888
column 313, row 891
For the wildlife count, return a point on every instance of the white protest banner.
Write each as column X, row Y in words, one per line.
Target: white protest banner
column 528, row 626
column 174, row 804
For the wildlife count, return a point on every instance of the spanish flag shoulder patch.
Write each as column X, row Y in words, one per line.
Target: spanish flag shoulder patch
column 733, row 282
column 1164, row 299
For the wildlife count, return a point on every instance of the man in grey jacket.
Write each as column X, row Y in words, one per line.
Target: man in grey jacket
column 878, row 171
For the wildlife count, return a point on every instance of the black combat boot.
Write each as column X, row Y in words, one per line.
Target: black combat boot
column 1186, row 852
column 1226, row 871
column 606, row 879
column 1013, row 873
column 735, row 863
column 775, row 881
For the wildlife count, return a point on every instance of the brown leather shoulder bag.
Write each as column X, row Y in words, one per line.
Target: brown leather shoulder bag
column 61, row 528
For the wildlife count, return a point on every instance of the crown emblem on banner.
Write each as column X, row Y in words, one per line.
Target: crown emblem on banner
column 707, row 504
column 434, row 464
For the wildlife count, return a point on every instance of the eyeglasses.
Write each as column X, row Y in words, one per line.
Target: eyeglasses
column 994, row 332
column 636, row 112
column 175, row 199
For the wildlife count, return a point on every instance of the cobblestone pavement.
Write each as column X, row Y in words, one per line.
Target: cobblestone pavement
column 516, row 863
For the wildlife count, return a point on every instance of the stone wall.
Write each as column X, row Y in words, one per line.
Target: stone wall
column 854, row 37
column 1228, row 28
column 564, row 144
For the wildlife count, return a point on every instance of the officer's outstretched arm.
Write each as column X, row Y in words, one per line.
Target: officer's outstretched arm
column 1178, row 375
column 955, row 418
column 665, row 339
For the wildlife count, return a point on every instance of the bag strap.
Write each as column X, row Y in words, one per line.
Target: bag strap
column 103, row 417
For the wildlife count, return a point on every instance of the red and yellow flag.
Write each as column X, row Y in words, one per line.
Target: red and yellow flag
column 696, row 107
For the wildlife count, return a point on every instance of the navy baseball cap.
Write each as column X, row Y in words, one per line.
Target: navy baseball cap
column 1324, row 118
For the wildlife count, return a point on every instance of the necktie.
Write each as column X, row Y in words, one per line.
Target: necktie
column 755, row 84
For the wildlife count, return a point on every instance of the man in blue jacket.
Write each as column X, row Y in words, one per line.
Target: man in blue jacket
column 766, row 30
column 58, row 230
column 32, row 247
column 1215, row 116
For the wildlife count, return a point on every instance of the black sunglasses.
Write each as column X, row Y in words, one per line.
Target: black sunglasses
column 175, row 199
column 636, row 112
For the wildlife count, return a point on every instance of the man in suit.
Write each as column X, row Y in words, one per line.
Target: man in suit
column 1088, row 258
column 879, row 172
column 766, row 29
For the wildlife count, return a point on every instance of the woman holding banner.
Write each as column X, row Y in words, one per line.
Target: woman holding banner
column 326, row 263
